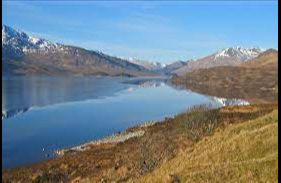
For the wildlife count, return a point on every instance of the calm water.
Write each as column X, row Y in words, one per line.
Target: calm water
column 52, row 113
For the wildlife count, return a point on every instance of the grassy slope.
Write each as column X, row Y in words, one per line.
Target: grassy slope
column 244, row 152
column 138, row 157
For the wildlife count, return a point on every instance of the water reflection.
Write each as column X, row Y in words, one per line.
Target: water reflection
column 219, row 101
column 145, row 83
column 19, row 93
column 229, row 102
column 11, row 113
column 62, row 112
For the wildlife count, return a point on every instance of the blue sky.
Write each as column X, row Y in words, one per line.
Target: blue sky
column 156, row 31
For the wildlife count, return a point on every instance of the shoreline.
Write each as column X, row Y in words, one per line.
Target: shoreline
column 139, row 150
column 132, row 132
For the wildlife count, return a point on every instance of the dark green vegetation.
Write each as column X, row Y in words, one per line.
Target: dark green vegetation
column 137, row 157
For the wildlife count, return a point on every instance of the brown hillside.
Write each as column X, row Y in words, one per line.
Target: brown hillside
column 255, row 80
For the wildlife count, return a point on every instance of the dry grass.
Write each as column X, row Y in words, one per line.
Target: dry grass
column 138, row 157
column 244, row 152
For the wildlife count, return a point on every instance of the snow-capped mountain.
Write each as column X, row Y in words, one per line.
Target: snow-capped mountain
column 163, row 69
column 37, row 55
column 153, row 66
column 238, row 52
column 25, row 54
column 226, row 57
column 21, row 43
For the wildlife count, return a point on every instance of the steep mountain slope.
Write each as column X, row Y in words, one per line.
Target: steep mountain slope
column 24, row 54
column 226, row 57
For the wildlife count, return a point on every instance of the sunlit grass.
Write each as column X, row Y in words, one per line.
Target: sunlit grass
column 199, row 145
column 244, row 152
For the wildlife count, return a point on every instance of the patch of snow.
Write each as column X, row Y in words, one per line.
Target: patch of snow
column 238, row 52
column 34, row 40
column 25, row 43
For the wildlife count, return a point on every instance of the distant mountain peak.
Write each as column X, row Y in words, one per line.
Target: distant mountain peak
column 225, row 57
column 147, row 64
column 21, row 42
column 238, row 52
column 25, row 54
column 269, row 51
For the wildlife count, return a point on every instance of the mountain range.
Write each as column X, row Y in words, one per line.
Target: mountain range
column 255, row 80
column 226, row 57
column 25, row 55
column 152, row 66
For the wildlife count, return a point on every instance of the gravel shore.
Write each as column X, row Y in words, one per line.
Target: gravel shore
column 136, row 131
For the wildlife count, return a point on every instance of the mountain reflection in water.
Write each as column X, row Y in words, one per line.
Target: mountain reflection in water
column 54, row 113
